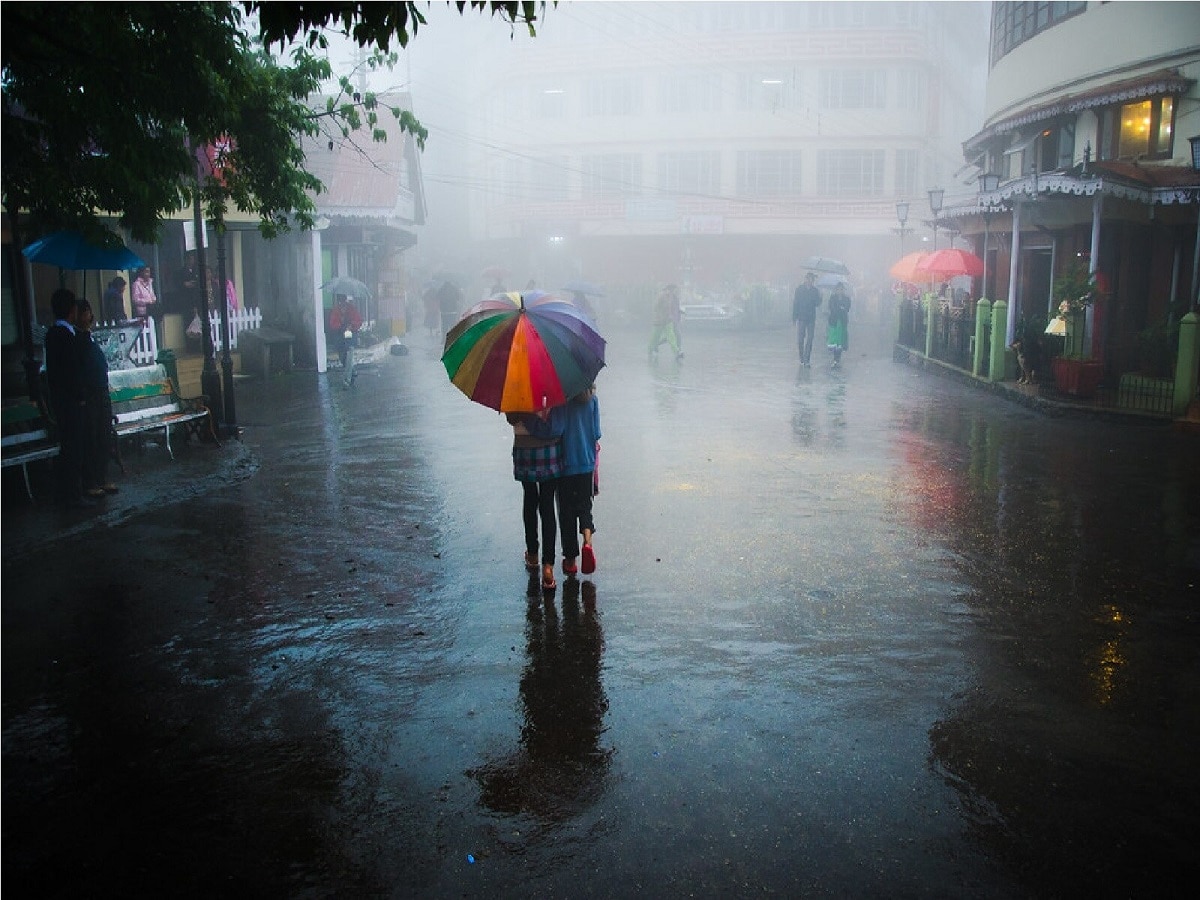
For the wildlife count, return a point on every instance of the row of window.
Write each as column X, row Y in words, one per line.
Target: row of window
column 1143, row 129
column 734, row 17
column 757, row 174
column 702, row 91
column 1015, row 23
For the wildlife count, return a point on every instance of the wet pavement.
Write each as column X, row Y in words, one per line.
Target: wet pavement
column 858, row 633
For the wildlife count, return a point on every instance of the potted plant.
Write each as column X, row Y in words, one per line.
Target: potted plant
column 1074, row 372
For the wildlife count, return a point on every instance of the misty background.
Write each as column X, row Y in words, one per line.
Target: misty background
column 711, row 144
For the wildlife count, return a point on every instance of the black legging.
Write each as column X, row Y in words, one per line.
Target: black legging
column 539, row 504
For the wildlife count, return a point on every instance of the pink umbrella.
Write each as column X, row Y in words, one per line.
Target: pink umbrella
column 948, row 263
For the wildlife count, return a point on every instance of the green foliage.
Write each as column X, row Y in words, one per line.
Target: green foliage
column 366, row 23
column 102, row 105
column 1075, row 287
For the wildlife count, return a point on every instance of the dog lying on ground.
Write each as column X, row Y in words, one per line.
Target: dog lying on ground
column 1026, row 363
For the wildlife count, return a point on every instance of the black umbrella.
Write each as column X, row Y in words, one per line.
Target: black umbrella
column 825, row 264
column 351, row 287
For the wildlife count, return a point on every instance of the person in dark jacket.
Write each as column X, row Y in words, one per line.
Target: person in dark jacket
column 68, row 399
column 804, row 314
column 94, row 368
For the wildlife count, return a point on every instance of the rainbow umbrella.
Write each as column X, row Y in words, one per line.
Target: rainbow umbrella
column 523, row 352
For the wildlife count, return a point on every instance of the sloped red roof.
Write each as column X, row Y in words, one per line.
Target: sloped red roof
column 362, row 177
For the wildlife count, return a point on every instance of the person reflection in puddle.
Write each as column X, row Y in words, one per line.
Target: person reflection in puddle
column 559, row 767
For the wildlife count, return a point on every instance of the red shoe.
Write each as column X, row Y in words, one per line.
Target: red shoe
column 589, row 559
column 569, row 567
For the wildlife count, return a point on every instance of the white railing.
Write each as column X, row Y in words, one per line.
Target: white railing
column 145, row 347
column 239, row 320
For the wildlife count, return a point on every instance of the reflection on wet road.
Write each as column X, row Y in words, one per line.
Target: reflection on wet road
column 863, row 632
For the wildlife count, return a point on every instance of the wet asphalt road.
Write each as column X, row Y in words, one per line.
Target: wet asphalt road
column 867, row 633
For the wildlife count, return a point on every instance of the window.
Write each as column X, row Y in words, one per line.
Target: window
column 690, row 93
column 697, row 172
column 1057, row 147
column 910, row 88
column 768, row 173
column 1015, row 23
column 548, row 178
column 768, row 90
column 850, row 173
column 607, row 174
column 1141, row 130
column 617, row 95
column 853, row 89
column 549, row 103
column 906, row 173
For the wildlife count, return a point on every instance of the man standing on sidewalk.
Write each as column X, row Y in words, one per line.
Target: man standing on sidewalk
column 804, row 314
column 68, row 399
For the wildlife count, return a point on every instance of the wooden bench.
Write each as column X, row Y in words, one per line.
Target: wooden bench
column 28, row 436
column 144, row 400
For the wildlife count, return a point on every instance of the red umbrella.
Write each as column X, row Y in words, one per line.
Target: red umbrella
column 950, row 262
column 905, row 269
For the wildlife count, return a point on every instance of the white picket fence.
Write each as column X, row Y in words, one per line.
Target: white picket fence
column 145, row 347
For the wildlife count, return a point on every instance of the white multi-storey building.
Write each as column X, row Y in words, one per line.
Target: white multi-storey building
column 1089, row 111
column 717, row 143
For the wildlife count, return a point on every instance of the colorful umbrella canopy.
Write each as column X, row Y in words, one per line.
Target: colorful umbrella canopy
column 905, row 268
column 69, row 250
column 950, row 262
column 517, row 353
column 825, row 264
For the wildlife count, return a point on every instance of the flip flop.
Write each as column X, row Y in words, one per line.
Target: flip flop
column 531, row 562
column 548, row 585
column 588, row 557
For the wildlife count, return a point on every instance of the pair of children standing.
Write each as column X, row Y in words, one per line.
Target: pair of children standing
column 555, row 453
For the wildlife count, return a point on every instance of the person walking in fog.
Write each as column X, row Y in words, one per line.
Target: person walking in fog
column 537, row 464
column 804, row 314
column 344, row 322
column 667, row 318
column 580, row 444
column 837, row 336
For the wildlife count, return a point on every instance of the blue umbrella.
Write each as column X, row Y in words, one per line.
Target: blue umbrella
column 69, row 250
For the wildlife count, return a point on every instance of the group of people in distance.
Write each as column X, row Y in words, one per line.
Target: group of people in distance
column 804, row 313
column 77, row 382
column 554, row 457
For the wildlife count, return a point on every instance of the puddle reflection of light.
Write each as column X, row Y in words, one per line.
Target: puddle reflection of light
column 1109, row 660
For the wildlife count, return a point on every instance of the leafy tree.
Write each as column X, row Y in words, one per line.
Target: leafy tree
column 103, row 106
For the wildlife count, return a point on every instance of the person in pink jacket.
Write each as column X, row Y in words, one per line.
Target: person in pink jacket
column 142, row 293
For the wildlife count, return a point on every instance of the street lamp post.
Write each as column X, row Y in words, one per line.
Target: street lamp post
column 1195, row 142
column 935, row 206
column 902, row 218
